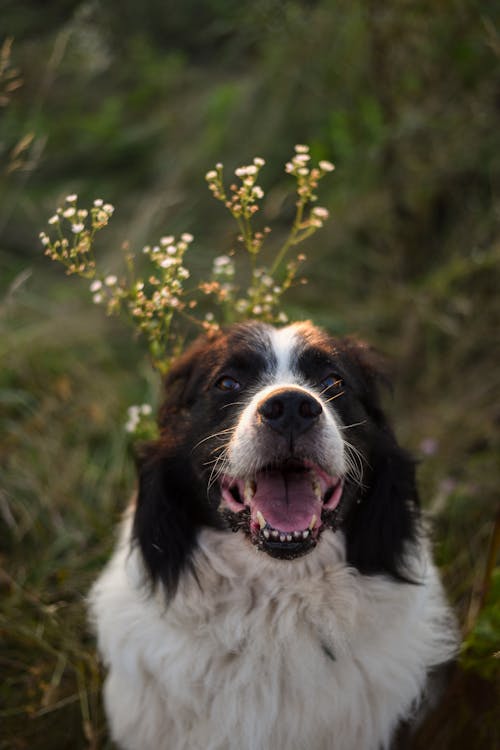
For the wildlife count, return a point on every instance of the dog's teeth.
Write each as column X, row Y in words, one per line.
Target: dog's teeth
column 305, row 534
column 289, row 537
column 282, row 537
column 260, row 518
column 313, row 522
column 250, row 489
column 275, row 534
column 297, row 534
column 316, row 488
column 266, row 533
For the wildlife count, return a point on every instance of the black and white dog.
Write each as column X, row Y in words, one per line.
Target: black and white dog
column 319, row 623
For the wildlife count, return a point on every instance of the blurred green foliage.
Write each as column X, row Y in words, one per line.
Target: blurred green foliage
column 134, row 104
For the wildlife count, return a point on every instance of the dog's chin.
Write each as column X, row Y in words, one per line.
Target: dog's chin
column 283, row 509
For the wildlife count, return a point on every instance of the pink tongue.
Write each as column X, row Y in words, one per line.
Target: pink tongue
column 286, row 501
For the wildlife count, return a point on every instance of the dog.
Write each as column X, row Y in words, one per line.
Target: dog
column 272, row 585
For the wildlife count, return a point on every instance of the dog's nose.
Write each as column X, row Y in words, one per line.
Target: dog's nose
column 289, row 411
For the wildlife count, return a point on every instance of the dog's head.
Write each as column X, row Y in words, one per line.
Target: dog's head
column 276, row 434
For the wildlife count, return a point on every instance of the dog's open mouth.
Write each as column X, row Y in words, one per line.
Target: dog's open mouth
column 282, row 507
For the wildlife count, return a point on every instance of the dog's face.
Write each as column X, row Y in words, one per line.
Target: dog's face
column 275, row 434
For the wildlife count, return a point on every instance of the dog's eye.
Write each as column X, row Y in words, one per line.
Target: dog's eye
column 331, row 381
column 227, row 383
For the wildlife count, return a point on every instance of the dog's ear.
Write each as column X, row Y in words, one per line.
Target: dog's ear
column 383, row 526
column 169, row 514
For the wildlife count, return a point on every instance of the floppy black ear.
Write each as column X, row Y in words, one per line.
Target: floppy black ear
column 168, row 515
column 384, row 524
column 171, row 503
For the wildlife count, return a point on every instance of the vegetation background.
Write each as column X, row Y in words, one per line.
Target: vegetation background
column 134, row 102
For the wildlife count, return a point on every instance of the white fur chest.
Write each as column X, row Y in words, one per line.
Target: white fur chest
column 264, row 654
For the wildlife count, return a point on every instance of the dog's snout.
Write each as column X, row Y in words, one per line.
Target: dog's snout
column 289, row 411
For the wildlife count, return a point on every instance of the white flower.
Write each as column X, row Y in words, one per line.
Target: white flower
column 98, row 202
column 71, row 198
column 221, row 261
column 167, row 262
column 110, row 280
column 240, row 171
column 303, row 171
column 146, row 409
column 146, row 249
column 77, row 228
column 257, row 309
column 258, row 192
column 108, row 208
column 282, row 318
column 186, row 237
column 83, row 213
column 326, row 166
column 69, row 212
column 301, row 149
column 95, row 286
column 54, row 219
column 258, row 161
column 209, row 317
column 171, row 250
column 166, row 240
column 97, row 298
column 252, row 169
column 321, row 213
column 44, row 239
column 212, row 175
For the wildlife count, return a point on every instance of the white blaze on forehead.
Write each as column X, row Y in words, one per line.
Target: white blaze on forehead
column 285, row 343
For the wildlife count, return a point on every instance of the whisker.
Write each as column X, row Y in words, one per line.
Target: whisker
column 354, row 424
column 210, row 437
column 355, row 463
column 332, row 398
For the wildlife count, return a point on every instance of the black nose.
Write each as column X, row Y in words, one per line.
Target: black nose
column 289, row 411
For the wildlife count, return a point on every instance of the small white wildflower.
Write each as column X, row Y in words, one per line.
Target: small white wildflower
column 69, row 212
column 83, row 213
column 146, row 249
column 146, row 409
column 108, row 208
column 183, row 273
column 164, row 241
column 257, row 309
column 221, row 261
column 301, row 149
column 240, row 171
column 174, row 302
column 258, row 192
column 167, row 262
column 267, row 280
column 258, row 161
column 44, row 239
column 95, row 286
column 321, row 213
column 219, row 165
column 97, row 298
column 54, row 219
column 98, row 202
column 171, row 250
column 71, row 198
column 289, row 167
column 77, row 228
column 156, row 249
column 110, row 280
column 209, row 317
column 186, row 237
column 252, row 169
column 326, row 166
column 211, row 175
column 303, row 171
column 282, row 318
column 133, row 411
column 139, row 286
